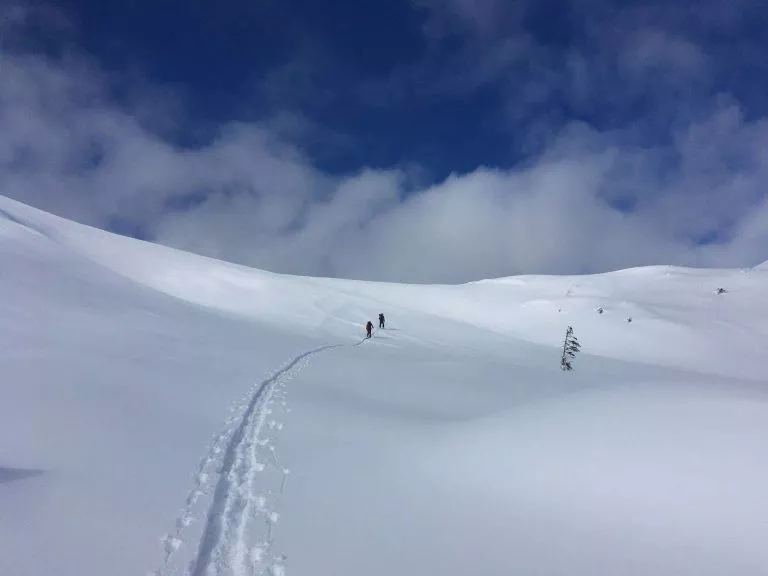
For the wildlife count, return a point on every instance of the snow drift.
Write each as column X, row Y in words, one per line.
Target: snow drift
column 164, row 412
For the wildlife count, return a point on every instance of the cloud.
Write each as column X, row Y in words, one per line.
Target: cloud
column 591, row 60
column 549, row 217
column 473, row 17
column 750, row 242
column 589, row 200
column 650, row 51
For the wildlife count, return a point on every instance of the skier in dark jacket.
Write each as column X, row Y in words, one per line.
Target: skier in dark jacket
column 381, row 320
column 369, row 329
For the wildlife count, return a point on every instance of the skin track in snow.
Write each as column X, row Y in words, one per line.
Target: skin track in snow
column 231, row 542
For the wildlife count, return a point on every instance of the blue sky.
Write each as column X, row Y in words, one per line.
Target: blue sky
column 404, row 79
column 252, row 60
column 478, row 136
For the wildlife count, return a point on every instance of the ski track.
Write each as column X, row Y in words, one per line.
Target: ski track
column 233, row 541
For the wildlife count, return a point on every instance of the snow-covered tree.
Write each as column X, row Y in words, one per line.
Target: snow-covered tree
column 570, row 347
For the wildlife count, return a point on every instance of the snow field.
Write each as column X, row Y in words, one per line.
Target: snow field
column 166, row 413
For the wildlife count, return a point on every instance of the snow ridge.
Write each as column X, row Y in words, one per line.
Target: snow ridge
column 5, row 215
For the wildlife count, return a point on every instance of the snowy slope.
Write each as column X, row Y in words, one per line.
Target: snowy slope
column 161, row 411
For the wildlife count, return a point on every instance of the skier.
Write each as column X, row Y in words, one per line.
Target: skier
column 381, row 320
column 368, row 329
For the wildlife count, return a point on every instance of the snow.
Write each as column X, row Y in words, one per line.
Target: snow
column 165, row 413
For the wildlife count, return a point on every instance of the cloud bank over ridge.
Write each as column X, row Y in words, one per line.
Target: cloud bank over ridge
column 585, row 199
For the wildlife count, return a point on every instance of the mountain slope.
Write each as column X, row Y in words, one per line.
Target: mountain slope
column 164, row 411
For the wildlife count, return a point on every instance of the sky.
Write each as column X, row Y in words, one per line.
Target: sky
column 407, row 140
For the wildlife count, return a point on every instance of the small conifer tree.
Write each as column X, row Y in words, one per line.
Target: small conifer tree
column 570, row 347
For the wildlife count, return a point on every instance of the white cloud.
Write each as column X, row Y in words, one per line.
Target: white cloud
column 656, row 54
column 252, row 196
